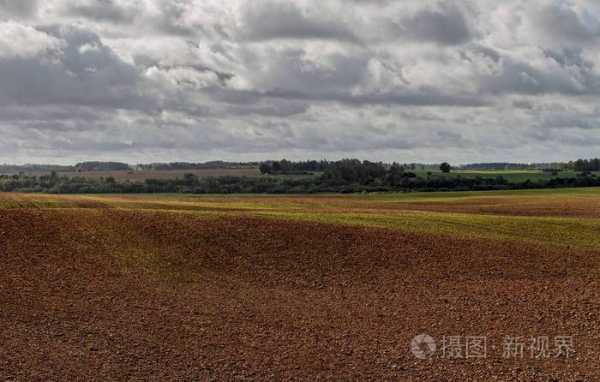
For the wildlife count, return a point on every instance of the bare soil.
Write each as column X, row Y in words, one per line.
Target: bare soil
column 518, row 206
column 101, row 294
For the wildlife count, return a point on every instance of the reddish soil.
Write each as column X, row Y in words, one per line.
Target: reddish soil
column 565, row 206
column 571, row 207
column 123, row 295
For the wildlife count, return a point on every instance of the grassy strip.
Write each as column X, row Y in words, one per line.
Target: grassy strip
column 561, row 231
column 583, row 233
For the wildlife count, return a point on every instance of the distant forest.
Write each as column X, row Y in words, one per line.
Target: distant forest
column 119, row 166
column 284, row 166
column 344, row 176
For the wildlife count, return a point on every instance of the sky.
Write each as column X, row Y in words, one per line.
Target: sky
column 196, row 80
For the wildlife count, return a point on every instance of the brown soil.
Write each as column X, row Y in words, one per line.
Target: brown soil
column 567, row 207
column 126, row 295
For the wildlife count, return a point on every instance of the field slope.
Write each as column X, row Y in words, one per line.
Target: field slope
column 172, row 287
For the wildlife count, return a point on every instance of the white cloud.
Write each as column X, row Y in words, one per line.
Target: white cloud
column 204, row 79
column 23, row 41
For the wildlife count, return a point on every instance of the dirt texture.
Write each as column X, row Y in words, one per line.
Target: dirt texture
column 518, row 206
column 157, row 296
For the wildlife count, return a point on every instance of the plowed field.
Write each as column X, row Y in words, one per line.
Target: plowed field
column 300, row 288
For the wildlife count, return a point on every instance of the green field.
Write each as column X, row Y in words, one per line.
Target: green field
column 512, row 176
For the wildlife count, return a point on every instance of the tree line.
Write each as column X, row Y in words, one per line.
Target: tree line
column 194, row 166
column 347, row 166
column 344, row 176
column 286, row 167
column 586, row 165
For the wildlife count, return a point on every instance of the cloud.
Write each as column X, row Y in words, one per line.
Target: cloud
column 411, row 80
column 18, row 8
column 564, row 22
column 65, row 65
column 122, row 11
column 19, row 41
column 271, row 20
column 295, row 71
column 444, row 23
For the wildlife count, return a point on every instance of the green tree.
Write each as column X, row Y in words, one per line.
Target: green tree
column 395, row 174
column 445, row 167
column 265, row 168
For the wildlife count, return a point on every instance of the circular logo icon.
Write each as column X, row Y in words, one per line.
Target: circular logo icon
column 423, row 346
